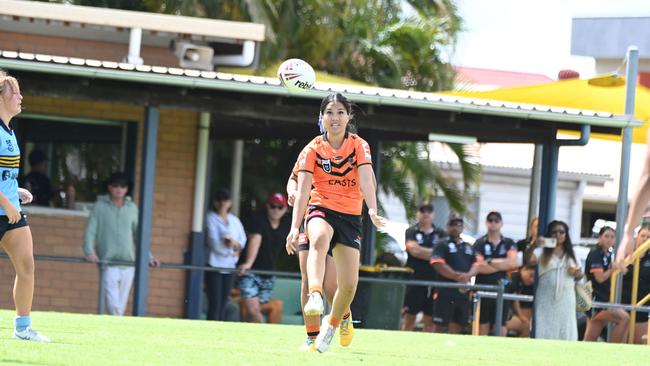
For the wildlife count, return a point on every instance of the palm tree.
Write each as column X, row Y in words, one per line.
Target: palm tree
column 408, row 173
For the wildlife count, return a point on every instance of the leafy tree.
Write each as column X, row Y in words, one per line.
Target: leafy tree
column 388, row 43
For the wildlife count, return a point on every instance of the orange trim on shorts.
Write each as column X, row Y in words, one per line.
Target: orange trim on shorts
column 436, row 260
column 594, row 270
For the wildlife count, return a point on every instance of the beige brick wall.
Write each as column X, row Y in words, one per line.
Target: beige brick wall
column 73, row 287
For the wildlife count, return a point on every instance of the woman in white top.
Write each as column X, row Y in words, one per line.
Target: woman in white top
column 555, row 299
column 226, row 239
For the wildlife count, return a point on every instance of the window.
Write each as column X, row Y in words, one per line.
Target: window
column 80, row 154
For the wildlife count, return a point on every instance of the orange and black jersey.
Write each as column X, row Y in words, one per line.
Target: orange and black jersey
column 335, row 180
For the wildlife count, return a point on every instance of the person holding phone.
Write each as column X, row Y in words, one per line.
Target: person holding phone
column 555, row 299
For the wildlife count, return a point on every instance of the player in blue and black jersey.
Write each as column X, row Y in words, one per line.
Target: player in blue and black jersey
column 15, row 236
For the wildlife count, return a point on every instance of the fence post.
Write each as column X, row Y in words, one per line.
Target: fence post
column 499, row 315
column 101, row 304
column 476, row 323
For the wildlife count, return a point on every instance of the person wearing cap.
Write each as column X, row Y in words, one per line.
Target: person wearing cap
column 266, row 238
column 110, row 236
column 225, row 240
column 455, row 261
column 500, row 256
column 420, row 240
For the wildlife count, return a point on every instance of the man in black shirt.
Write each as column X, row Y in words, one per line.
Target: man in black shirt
column 500, row 256
column 420, row 239
column 266, row 239
column 455, row 261
column 599, row 269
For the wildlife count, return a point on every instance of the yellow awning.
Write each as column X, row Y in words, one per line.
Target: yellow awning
column 577, row 94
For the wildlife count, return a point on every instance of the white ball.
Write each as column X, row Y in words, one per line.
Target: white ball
column 297, row 75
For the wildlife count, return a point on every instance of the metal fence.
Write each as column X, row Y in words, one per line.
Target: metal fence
column 481, row 291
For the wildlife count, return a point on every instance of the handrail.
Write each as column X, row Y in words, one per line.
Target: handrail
column 638, row 252
column 635, row 259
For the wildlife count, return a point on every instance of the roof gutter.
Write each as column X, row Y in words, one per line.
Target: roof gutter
column 585, row 130
column 232, row 84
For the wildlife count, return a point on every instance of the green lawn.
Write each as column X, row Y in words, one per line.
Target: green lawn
column 103, row 340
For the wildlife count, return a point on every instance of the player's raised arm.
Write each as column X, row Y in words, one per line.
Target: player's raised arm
column 638, row 204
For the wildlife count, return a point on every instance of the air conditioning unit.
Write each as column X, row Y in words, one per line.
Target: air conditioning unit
column 193, row 56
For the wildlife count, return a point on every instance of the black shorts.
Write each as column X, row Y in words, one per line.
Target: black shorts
column 641, row 316
column 489, row 311
column 6, row 226
column 347, row 228
column 418, row 299
column 450, row 305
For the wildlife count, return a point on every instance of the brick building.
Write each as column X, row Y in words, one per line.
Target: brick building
column 100, row 35
column 83, row 103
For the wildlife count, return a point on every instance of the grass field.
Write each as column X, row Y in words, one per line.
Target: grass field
column 103, row 340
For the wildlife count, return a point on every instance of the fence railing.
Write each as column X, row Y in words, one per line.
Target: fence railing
column 481, row 291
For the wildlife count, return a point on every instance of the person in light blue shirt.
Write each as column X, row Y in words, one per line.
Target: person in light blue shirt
column 225, row 241
column 15, row 235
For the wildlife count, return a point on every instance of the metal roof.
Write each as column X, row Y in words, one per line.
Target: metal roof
column 189, row 78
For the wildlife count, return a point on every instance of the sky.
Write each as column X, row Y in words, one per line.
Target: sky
column 531, row 35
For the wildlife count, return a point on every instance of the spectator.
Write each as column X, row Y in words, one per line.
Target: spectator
column 555, row 298
column 521, row 283
column 455, row 261
column 226, row 239
column 641, row 325
column 266, row 239
column 36, row 181
column 500, row 256
column 599, row 269
column 110, row 236
column 420, row 239
column 524, row 244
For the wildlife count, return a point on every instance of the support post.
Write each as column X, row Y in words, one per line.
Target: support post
column 499, row 308
column 135, row 42
column 147, row 177
column 197, row 255
column 236, row 175
column 626, row 148
column 369, row 233
column 535, row 183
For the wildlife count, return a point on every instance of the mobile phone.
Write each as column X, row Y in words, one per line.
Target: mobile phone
column 549, row 242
